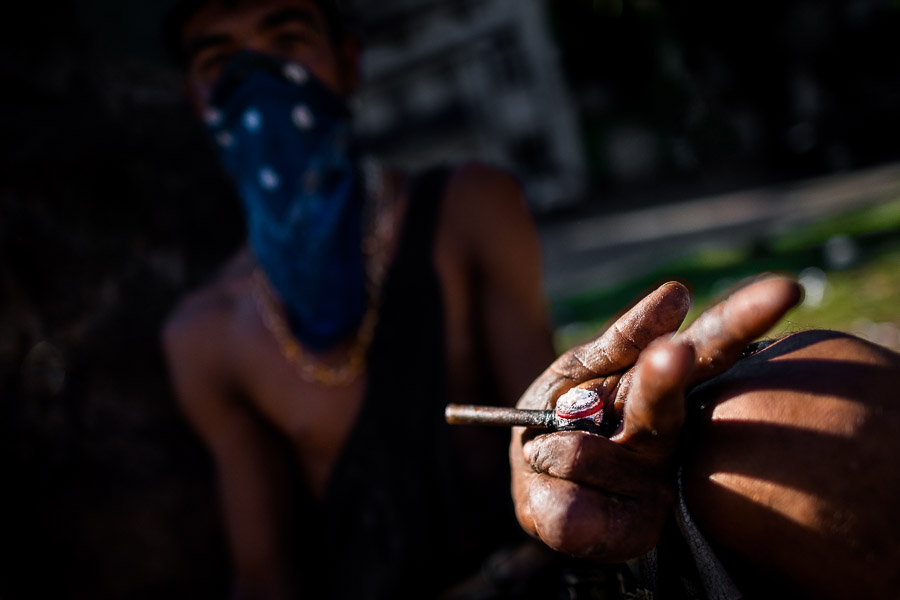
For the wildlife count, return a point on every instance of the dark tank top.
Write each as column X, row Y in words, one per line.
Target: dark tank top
column 397, row 520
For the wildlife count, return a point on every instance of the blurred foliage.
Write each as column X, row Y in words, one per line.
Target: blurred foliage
column 849, row 262
column 856, row 298
column 858, row 222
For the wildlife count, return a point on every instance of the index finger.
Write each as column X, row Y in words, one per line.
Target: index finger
column 659, row 313
column 721, row 334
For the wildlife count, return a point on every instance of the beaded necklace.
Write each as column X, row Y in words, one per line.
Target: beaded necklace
column 375, row 244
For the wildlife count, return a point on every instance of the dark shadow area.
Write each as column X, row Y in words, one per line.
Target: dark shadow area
column 687, row 99
column 110, row 207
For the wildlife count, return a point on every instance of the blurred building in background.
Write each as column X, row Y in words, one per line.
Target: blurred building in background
column 453, row 80
column 683, row 100
column 609, row 105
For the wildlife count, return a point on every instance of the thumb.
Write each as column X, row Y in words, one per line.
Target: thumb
column 654, row 410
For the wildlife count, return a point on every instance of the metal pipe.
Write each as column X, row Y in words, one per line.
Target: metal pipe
column 470, row 414
column 575, row 415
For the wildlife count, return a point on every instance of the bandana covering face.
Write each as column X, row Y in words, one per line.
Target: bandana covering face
column 285, row 139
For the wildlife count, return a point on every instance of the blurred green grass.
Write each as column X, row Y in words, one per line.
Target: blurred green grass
column 849, row 264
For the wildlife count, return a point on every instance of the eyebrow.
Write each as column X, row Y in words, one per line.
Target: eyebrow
column 270, row 21
column 291, row 15
column 201, row 43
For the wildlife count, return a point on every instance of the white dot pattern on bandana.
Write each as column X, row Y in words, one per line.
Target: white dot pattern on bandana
column 225, row 139
column 212, row 117
column 252, row 120
column 295, row 73
column 311, row 182
column 302, row 117
column 269, row 179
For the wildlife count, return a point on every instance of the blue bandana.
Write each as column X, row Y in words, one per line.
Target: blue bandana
column 285, row 139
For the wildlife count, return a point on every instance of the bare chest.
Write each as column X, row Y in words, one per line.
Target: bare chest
column 317, row 419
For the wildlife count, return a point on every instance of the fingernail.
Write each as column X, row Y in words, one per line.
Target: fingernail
column 661, row 358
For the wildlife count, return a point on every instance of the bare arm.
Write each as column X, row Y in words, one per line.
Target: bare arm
column 791, row 469
column 251, row 469
column 495, row 255
column 503, row 260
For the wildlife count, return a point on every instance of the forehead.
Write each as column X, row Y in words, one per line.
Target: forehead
column 245, row 16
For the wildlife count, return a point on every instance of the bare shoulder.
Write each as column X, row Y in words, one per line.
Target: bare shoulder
column 817, row 362
column 481, row 180
column 480, row 189
column 195, row 333
column 791, row 465
column 484, row 203
column 821, row 344
column 196, row 314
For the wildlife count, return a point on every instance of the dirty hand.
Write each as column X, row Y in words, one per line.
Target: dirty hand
column 607, row 498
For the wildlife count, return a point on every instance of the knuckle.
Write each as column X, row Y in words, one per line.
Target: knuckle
column 538, row 458
column 560, row 456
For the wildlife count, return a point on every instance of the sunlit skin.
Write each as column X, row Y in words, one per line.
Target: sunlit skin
column 242, row 396
column 788, row 469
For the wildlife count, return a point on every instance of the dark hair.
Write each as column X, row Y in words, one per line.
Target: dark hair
column 182, row 10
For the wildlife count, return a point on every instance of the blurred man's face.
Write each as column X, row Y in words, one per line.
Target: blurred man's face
column 291, row 29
